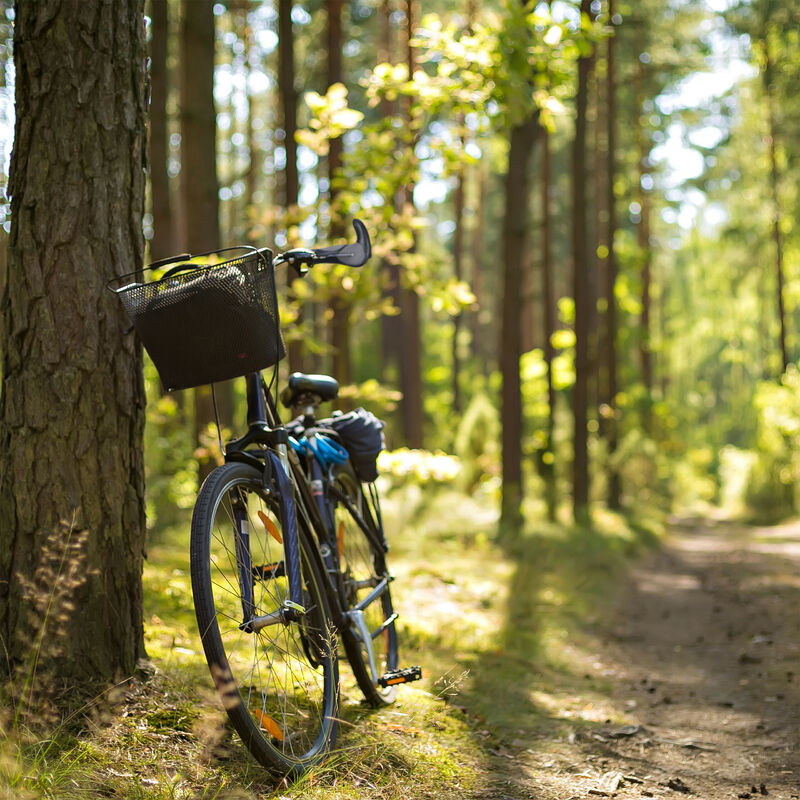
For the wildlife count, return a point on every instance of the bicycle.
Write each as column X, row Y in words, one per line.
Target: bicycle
column 287, row 549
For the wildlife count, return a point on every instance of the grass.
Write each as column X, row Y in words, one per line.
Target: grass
column 500, row 633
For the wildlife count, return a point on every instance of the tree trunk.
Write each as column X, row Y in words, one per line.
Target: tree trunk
column 612, row 413
column 458, row 272
column 340, row 301
column 479, row 338
column 643, row 237
column 548, row 319
column 72, row 407
column 391, row 325
column 515, row 261
column 411, row 345
column 774, row 185
column 581, row 283
column 291, row 180
column 161, row 245
column 199, row 187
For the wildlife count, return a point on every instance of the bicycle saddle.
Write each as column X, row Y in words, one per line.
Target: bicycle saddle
column 323, row 386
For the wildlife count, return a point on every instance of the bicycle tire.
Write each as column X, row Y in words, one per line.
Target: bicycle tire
column 281, row 688
column 363, row 565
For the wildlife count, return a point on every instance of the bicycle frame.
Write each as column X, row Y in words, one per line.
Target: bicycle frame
column 265, row 428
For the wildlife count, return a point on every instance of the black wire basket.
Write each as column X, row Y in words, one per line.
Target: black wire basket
column 208, row 318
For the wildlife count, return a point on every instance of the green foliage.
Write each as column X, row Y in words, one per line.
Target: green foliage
column 477, row 443
column 170, row 466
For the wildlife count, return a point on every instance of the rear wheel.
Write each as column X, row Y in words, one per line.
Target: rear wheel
column 279, row 685
column 366, row 581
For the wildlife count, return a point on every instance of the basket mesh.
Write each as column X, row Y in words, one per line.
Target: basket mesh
column 210, row 324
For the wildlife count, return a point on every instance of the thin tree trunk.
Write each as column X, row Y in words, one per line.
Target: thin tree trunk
column 549, row 327
column 161, row 245
column 479, row 337
column 411, row 346
column 458, row 272
column 200, row 195
column 612, row 413
column 291, row 178
column 581, row 281
column 774, row 186
column 391, row 325
column 72, row 528
column 340, row 301
column 643, row 236
column 515, row 263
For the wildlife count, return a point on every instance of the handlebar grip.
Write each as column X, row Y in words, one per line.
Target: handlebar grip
column 351, row 255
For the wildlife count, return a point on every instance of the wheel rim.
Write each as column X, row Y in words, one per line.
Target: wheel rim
column 273, row 682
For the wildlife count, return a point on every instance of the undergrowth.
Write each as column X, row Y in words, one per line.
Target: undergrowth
column 498, row 631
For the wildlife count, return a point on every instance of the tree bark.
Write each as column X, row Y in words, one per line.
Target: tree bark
column 515, row 261
column 411, row 345
column 643, row 236
column 549, row 325
column 340, row 302
column 612, row 413
column 581, row 283
column 72, row 406
column 291, row 180
column 199, row 186
column 161, row 245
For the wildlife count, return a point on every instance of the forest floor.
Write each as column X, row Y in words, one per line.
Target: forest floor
column 629, row 660
column 696, row 665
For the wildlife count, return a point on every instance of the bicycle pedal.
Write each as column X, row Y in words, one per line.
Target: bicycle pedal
column 398, row 676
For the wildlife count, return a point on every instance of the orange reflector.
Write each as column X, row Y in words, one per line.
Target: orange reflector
column 340, row 538
column 269, row 725
column 271, row 527
column 395, row 680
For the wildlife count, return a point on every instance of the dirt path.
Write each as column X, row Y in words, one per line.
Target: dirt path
column 699, row 656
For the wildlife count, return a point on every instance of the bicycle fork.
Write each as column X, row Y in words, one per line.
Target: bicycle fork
column 292, row 609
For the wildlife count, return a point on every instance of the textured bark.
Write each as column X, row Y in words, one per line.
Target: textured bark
column 580, row 288
column 161, row 245
column 515, row 261
column 72, row 406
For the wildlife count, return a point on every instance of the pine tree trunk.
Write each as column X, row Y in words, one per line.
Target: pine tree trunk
column 643, row 239
column 411, row 345
column 340, row 302
column 72, row 406
column 199, row 187
column 549, row 323
column 612, row 413
column 774, row 184
column 480, row 352
column 515, row 259
column 458, row 273
column 161, row 245
column 581, row 283
column 291, row 180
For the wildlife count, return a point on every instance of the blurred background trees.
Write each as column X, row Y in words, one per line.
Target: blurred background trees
column 585, row 282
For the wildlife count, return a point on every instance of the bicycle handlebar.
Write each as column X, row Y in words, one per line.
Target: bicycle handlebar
column 351, row 255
